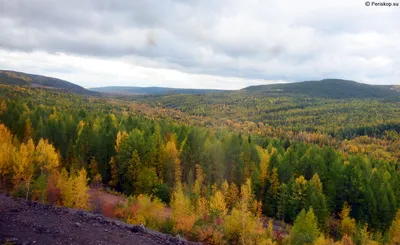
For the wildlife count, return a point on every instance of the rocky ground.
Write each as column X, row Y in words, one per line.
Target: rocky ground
column 24, row 222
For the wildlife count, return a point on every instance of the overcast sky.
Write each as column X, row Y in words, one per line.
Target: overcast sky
column 225, row 44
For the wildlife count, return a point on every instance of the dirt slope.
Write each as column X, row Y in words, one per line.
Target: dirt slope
column 24, row 222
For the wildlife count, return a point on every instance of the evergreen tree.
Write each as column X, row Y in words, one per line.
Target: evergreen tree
column 317, row 200
column 305, row 229
column 282, row 201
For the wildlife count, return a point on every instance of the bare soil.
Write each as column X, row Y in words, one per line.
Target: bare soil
column 26, row 222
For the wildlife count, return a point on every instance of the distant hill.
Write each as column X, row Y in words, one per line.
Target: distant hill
column 151, row 90
column 395, row 87
column 30, row 80
column 329, row 88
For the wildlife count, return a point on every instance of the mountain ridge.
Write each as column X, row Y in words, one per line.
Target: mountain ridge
column 331, row 88
column 9, row 77
column 153, row 90
column 328, row 88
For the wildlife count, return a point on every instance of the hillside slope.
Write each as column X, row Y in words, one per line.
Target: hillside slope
column 328, row 88
column 127, row 90
column 30, row 80
column 24, row 222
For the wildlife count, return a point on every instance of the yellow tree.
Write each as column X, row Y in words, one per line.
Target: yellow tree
column 6, row 151
column 246, row 198
column 316, row 182
column 146, row 210
column 321, row 240
column 3, row 107
column 300, row 190
column 23, row 167
column 121, row 136
column 202, row 208
column 365, row 237
column 347, row 224
column 241, row 225
column 183, row 215
column 172, row 156
column 198, row 184
column 274, row 182
column 79, row 190
column 232, row 195
column 47, row 157
column 218, row 204
column 264, row 164
column 65, row 185
column 394, row 232
column 246, row 195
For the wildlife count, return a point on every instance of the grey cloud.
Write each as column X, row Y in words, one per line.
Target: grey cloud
column 253, row 39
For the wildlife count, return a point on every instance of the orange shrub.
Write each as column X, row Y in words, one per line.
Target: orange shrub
column 108, row 210
column 119, row 212
column 210, row 235
column 53, row 193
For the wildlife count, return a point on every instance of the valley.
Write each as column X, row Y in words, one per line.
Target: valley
column 320, row 157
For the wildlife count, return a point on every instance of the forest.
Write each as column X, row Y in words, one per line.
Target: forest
column 232, row 168
column 340, row 118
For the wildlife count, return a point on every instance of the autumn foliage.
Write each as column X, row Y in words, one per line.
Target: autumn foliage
column 218, row 171
column 33, row 172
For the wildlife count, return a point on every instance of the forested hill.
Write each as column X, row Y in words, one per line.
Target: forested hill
column 30, row 80
column 329, row 88
column 131, row 90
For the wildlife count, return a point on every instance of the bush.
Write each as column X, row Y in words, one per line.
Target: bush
column 209, row 235
column 20, row 191
column 108, row 210
column 167, row 227
column 142, row 209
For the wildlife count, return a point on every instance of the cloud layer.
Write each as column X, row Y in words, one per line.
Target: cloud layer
column 200, row 43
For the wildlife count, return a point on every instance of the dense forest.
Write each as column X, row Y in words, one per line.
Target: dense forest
column 340, row 118
column 327, row 170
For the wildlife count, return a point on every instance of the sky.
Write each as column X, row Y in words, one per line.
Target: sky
column 220, row 44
